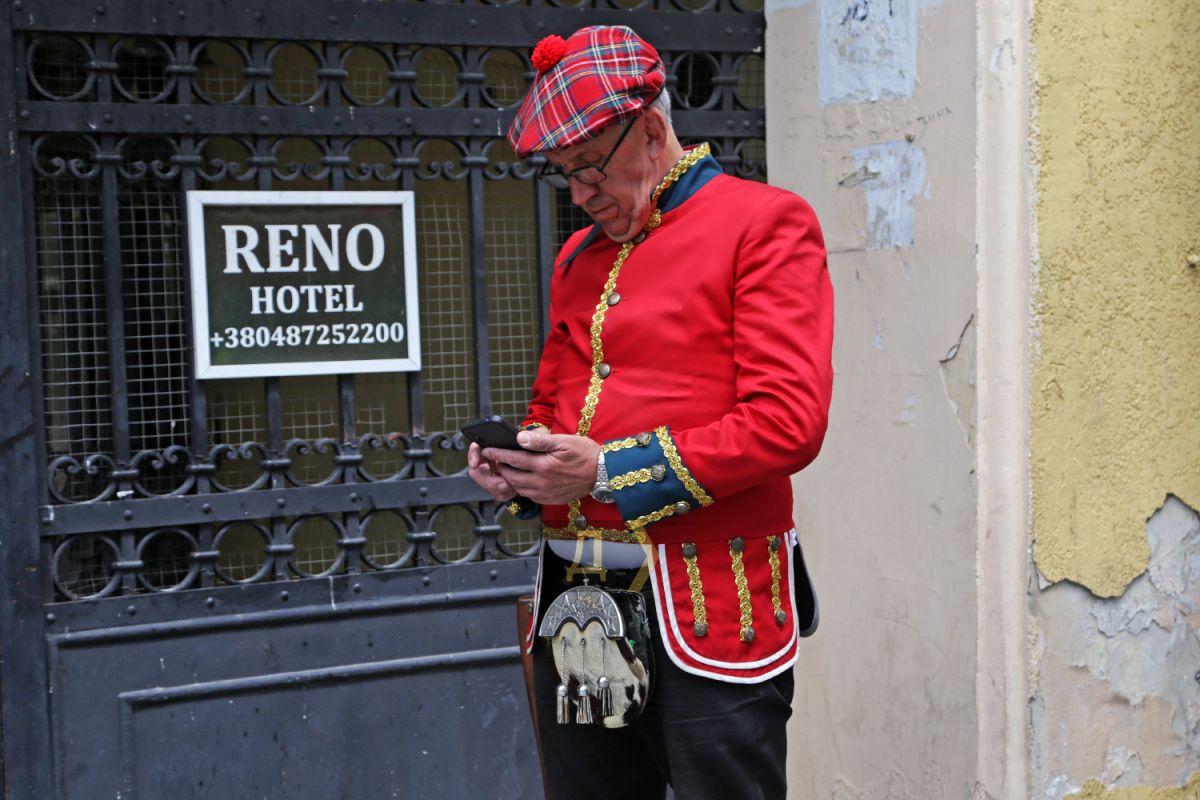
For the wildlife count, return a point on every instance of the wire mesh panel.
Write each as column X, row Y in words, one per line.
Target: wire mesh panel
column 160, row 483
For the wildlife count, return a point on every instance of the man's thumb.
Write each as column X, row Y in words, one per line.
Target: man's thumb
column 536, row 440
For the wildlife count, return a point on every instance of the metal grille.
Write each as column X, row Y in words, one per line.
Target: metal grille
column 71, row 294
column 156, row 343
column 446, row 335
column 157, row 483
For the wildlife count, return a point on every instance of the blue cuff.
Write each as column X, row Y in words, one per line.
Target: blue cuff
column 649, row 479
column 524, row 508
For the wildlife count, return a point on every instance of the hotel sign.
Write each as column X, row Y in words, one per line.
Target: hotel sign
column 303, row 283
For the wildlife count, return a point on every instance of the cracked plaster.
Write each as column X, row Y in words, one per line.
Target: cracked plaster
column 1116, row 695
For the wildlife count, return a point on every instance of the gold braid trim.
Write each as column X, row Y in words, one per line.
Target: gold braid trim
column 653, row 516
column 605, row 534
column 514, row 508
column 630, row 479
column 746, row 620
column 699, row 613
column 776, row 602
column 685, row 477
column 619, row 444
column 593, row 392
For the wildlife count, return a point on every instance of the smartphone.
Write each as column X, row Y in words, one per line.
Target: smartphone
column 492, row 432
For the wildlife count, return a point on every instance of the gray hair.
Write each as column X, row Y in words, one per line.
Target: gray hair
column 663, row 104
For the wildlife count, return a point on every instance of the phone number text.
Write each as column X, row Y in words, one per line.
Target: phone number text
column 339, row 333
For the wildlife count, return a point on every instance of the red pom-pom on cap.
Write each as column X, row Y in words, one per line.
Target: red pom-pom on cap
column 548, row 52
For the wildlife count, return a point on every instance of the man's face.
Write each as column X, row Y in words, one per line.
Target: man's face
column 621, row 202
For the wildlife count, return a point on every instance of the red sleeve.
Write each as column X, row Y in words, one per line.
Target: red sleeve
column 782, row 340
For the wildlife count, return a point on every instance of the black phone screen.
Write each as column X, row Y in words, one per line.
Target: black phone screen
column 492, row 432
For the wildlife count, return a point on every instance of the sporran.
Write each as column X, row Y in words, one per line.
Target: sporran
column 600, row 641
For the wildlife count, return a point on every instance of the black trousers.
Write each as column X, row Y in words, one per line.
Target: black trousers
column 706, row 738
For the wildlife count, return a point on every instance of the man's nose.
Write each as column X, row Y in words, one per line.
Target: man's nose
column 581, row 192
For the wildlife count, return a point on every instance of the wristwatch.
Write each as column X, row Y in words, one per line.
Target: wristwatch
column 601, row 491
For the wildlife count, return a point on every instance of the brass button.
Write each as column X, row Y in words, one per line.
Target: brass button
column 700, row 629
column 641, row 237
column 658, row 472
column 689, row 550
column 682, row 507
column 737, row 545
column 781, row 616
column 644, row 438
column 614, row 298
column 604, row 370
column 580, row 522
column 747, row 635
column 775, row 542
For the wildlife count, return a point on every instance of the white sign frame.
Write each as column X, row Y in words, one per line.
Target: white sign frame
column 198, row 200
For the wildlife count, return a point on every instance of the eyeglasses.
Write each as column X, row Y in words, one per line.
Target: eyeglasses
column 552, row 174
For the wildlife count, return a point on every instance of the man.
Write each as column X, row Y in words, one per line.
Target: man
column 685, row 377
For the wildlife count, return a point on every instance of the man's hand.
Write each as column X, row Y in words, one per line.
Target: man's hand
column 554, row 468
column 485, row 473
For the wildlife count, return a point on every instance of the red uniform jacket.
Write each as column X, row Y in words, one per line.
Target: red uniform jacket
column 716, row 357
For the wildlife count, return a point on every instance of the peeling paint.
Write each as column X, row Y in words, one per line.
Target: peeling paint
column 908, row 411
column 958, row 379
column 1116, row 694
column 866, row 50
column 1122, row 767
column 895, row 173
column 1003, row 57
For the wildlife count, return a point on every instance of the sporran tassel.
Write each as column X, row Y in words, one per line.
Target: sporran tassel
column 564, row 705
column 606, row 703
column 583, row 711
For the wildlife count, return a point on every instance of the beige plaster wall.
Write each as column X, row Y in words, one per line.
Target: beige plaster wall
column 1115, row 708
column 871, row 117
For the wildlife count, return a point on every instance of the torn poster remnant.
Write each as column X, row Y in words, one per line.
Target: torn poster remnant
column 896, row 173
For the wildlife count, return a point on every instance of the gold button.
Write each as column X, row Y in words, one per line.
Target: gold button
column 747, row 635
column 580, row 523
column 658, row 472
column 781, row 616
column 682, row 507
column 689, row 550
column 775, row 543
column 700, row 629
column 737, row 545
column 604, row 370
column 641, row 237
column 644, row 438
column 614, row 298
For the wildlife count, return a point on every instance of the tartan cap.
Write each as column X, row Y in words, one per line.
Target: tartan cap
column 600, row 76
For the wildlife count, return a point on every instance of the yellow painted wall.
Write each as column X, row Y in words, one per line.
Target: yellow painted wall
column 1094, row 790
column 1116, row 372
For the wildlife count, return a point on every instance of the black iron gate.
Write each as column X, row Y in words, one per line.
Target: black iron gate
column 279, row 588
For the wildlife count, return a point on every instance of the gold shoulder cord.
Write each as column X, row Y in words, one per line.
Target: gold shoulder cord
column 593, row 392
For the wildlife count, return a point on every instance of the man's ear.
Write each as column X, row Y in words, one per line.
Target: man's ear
column 655, row 130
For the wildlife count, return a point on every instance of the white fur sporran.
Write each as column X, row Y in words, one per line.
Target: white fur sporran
column 600, row 643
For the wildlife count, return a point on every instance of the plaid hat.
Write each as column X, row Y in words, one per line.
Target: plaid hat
column 599, row 77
